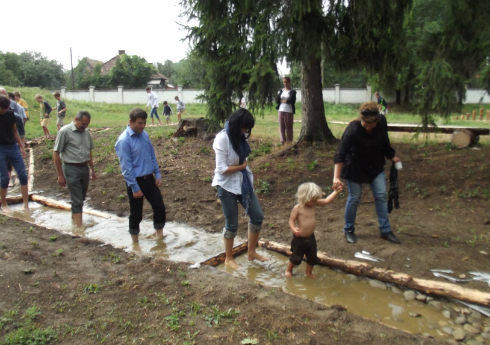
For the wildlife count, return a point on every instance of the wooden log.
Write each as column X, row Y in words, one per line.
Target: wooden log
column 64, row 206
column 481, row 114
column 432, row 129
column 462, row 117
column 220, row 258
column 16, row 199
column 474, row 115
column 488, row 115
column 468, row 116
column 364, row 269
column 464, row 138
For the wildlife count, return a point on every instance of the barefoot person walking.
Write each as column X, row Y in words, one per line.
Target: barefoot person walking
column 234, row 181
column 73, row 147
column 140, row 169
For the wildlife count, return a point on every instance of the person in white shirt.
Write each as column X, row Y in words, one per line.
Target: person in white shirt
column 153, row 102
column 286, row 109
column 234, row 182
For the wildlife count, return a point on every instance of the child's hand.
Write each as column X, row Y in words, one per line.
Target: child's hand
column 297, row 232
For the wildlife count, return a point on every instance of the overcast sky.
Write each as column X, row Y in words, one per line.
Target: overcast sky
column 97, row 29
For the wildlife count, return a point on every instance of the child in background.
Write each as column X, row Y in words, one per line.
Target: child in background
column 180, row 107
column 167, row 111
column 22, row 103
column 302, row 223
column 61, row 109
column 45, row 110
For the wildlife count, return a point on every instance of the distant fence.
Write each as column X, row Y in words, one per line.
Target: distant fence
column 335, row 95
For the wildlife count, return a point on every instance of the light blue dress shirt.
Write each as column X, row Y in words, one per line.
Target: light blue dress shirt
column 136, row 157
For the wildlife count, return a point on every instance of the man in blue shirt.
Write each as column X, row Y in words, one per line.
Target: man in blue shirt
column 140, row 169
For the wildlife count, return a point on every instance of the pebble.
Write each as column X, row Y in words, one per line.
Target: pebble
column 377, row 284
column 448, row 330
column 471, row 319
column 352, row 277
column 457, row 309
column 412, row 314
column 442, row 323
column 486, row 335
column 486, row 329
column 396, row 290
column 465, row 310
column 474, row 342
column 409, row 295
column 477, row 325
column 429, row 299
column 459, row 334
column 421, row 297
column 480, row 338
column 452, row 342
column 436, row 304
column 460, row 320
column 476, row 315
column 470, row 329
column 447, row 314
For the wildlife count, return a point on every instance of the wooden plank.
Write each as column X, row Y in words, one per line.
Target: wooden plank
column 441, row 129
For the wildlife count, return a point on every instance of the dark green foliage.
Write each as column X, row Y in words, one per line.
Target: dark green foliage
column 130, row 71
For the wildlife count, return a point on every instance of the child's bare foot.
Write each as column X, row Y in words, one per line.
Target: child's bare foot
column 231, row 264
column 312, row 276
column 6, row 209
column 289, row 274
column 255, row 256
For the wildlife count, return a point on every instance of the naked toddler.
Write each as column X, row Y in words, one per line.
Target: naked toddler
column 302, row 223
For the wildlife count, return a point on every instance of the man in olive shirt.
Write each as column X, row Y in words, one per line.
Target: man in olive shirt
column 74, row 147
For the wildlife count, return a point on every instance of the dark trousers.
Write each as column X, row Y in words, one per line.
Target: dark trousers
column 152, row 193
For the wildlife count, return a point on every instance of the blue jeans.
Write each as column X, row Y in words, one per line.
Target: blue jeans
column 11, row 153
column 154, row 111
column 230, row 209
column 378, row 187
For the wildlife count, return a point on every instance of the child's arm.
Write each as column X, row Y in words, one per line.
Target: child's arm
column 328, row 199
column 47, row 108
column 292, row 221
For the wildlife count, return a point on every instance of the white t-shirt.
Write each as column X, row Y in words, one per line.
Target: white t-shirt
column 284, row 107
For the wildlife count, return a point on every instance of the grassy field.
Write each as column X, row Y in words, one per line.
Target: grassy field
column 116, row 115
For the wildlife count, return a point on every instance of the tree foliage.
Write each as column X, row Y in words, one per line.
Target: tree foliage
column 130, row 71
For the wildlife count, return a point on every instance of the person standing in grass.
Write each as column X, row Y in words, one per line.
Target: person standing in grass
column 11, row 150
column 167, row 111
column 22, row 103
column 233, row 180
column 140, row 169
column 286, row 109
column 44, row 114
column 72, row 156
column 153, row 102
column 61, row 110
column 180, row 108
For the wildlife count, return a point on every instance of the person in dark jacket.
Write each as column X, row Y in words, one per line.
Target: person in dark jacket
column 360, row 159
column 286, row 109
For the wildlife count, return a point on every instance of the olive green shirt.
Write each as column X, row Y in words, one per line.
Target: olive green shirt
column 74, row 146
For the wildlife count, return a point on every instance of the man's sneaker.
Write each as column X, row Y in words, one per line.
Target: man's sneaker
column 350, row 237
column 390, row 237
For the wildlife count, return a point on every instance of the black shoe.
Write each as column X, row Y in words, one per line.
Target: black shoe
column 390, row 237
column 350, row 237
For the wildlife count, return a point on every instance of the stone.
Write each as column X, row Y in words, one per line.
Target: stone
column 409, row 295
column 459, row 334
column 412, row 314
column 421, row 297
column 436, row 304
column 396, row 290
column 476, row 315
column 470, row 329
column 353, row 277
column 442, row 323
column 465, row 310
column 457, row 309
column 377, row 284
column 429, row 299
column 477, row 325
column 448, row 330
column 452, row 342
column 460, row 320
column 471, row 319
column 480, row 338
column 447, row 314
column 474, row 342
column 486, row 335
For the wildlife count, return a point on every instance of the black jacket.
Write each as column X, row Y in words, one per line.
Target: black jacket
column 363, row 154
column 290, row 100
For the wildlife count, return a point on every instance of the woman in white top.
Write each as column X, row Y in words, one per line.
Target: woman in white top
column 234, row 181
column 286, row 109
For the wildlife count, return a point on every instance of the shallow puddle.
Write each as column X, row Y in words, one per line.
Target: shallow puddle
column 185, row 244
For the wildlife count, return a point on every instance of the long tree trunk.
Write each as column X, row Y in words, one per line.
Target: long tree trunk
column 398, row 96
column 314, row 125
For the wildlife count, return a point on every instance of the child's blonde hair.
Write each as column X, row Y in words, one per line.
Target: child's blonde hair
column 38, row 96
column 308, row 191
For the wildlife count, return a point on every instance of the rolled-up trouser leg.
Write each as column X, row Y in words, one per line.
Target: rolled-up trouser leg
column 230, row 210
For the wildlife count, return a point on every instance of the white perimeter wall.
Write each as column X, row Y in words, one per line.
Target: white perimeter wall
column 140, row 96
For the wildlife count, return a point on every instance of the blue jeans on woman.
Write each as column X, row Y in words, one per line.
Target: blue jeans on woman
column 230, row 209
column 378, row 187
column 11, row 153
column 154, row 111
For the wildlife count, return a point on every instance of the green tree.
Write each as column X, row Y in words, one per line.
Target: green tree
column 192, row 72
column 241, row 43
column 168, row 69
column 7, row 72
column 37, row 70
column 130, row 71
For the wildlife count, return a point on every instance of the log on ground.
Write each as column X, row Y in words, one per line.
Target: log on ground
column 464, row 138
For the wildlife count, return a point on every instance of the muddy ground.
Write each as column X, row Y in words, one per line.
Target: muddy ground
column 91, row 294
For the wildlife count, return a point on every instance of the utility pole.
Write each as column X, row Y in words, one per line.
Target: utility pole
column 72, row 74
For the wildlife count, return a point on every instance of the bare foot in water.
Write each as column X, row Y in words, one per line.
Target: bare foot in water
column 312, row 276
column 255, row 256
column 231, row 264
column 289, row 274
column 6, row 209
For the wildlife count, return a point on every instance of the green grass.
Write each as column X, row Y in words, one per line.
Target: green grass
column 116, row 116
